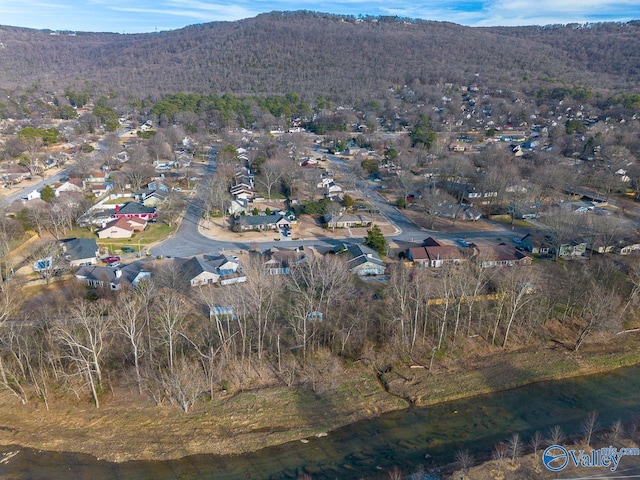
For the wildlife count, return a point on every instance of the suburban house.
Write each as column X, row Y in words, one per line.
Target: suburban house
column 100, row 189
column 434, row 254
column 279, row 261
column 72, row 185
column 97, row 177
column 155, row 193
column 594, row 197
column 210, row 270
column 156, row 185
column 572, row 248
column 114, row 278
column 535, row 243
column 122, row 228
column 135, row 210
column 15, row 174
column 222, row 312
column 243, row 191
column 470, row 194
column 183, row 159
column 500, row 256
column 598, row 246
column 32, row 195
column 274, row 221
column 364, row 261
column 154, row 198
column 347, row 221
column 330, row 189
column 625, row 246
column 80, row 251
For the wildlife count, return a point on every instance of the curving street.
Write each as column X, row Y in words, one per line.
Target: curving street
column 187, row 240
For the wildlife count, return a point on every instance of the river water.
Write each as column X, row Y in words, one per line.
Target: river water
column 368, row 449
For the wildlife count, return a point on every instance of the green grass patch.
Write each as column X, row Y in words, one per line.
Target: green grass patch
column 506, row 220
column 118, row 201
column 154, row 232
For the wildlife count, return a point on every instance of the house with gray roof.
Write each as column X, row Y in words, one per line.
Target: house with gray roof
column 135, row 210
column 364, row 261
column 80, row 251
column 347, row 221
column 274, row 221
column 211, row 270
column 115, row 278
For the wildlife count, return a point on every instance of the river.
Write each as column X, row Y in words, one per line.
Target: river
column 368, row 449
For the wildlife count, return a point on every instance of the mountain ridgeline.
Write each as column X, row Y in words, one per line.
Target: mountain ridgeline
column 314, row 54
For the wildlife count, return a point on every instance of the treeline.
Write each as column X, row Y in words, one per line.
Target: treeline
column 340, row 58
column 230, row 109
column 176, row 345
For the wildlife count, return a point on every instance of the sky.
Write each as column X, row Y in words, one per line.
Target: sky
column 139, row 16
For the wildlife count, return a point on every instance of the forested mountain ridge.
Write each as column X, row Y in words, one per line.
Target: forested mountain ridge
column 315, row 54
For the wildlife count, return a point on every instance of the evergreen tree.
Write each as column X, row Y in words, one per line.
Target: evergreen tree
column 47, row 194
column 422, row 133
column 376, row 241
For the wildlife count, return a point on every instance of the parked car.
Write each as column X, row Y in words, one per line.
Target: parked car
column 111, row 259
column 128, row 249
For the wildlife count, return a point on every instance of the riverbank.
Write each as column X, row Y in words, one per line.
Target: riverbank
column 129, row 428
column 461, row 375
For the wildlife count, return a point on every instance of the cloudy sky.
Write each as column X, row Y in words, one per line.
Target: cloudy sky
column 135, row 16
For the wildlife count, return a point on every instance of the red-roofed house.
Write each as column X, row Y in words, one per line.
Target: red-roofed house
column 500, row 255
column 122, row 228
column 435, row 256
column 443, row 254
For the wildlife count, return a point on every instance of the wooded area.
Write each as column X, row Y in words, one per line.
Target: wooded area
column 340, row 58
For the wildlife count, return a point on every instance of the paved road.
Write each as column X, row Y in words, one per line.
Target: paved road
column 188, row 241
column 18, row 192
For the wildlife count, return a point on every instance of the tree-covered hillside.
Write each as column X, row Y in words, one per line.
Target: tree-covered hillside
column 341, row 58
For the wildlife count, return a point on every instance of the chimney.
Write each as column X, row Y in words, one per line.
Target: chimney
column 117, row 208
column 118, row 273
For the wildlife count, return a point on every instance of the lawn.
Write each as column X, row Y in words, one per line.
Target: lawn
column 506, row 219
column 117, row 201
column 154, row 232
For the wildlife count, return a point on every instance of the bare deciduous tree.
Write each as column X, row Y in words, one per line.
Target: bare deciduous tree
column 271, row 172
column 464, row 459
column 84, row 338
column 171, row 312
column 130, row 319
column 499, row 454
column 515, row 447
column 616, row 431
column 536, row 442
column 589, row 426
column 556, row 435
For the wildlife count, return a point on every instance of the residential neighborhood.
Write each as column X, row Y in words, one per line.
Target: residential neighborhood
column 390, row 244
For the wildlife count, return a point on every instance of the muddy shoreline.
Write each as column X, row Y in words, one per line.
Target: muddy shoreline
column 129, row 429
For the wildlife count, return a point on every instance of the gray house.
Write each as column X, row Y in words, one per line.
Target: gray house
column 80, row 251
column 261, row 222
column 115, row 278
column 347, row 221
column 364, row 261
column 210, row 270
